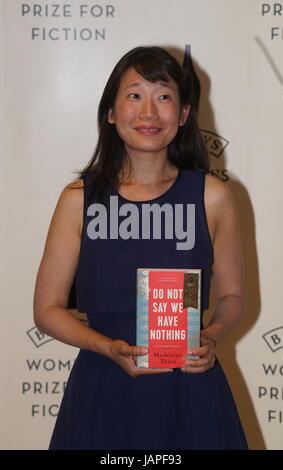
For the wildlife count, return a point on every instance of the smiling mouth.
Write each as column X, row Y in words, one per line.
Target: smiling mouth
column 148, row 130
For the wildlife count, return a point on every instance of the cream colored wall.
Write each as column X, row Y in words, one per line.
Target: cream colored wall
column 2, row 208
column 50, row 96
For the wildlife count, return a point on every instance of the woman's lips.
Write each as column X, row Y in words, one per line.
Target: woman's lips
column 148, row 130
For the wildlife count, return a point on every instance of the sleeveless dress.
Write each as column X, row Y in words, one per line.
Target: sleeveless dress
column 105, row 408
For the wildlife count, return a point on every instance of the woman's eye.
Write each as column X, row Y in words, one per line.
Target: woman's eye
column 134, row 96
column 164, row 97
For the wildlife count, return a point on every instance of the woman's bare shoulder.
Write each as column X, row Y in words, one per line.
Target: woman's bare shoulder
column 219, row 202
column 69, row 208
column 216, row 190
column 75, row 185
column 72, row 195
column 218, row 196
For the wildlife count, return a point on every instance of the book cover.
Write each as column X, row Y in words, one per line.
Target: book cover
column 168, row 315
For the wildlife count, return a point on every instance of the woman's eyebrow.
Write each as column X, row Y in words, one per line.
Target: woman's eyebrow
column 159, row 82
column 165, row 84
column 133, row 85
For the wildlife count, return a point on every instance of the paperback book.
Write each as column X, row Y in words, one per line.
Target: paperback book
column 168, row 315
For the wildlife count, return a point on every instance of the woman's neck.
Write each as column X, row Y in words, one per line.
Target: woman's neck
column 148, row 171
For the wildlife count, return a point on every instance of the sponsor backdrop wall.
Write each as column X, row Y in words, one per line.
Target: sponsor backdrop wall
column 56, row 57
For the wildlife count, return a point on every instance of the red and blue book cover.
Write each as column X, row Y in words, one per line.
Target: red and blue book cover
column 168, row 315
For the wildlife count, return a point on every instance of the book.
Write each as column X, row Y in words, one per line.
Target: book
column 168, row 315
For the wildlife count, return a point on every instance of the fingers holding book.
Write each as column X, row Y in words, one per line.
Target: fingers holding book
column 205, row 357
column 124, row 355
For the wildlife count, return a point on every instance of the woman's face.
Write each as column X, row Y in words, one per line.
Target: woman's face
column 146, row 114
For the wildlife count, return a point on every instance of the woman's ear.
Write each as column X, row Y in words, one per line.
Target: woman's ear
column 185, row 111
column 111, row 119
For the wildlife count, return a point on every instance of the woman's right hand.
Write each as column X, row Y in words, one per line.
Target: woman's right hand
column 124, row 355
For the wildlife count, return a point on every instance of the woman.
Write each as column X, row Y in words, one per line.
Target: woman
column 149, row 151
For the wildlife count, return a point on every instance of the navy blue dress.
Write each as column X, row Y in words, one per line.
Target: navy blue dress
column 105, row 408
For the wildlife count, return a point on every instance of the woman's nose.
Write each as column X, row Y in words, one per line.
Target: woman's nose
column 148, row 109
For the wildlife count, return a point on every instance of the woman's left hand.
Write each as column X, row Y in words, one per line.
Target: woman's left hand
column 206, row 356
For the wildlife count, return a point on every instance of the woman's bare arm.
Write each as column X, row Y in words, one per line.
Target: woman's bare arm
column 53, row 283
column 228, row 271
column 228, row 265
column 56, row 273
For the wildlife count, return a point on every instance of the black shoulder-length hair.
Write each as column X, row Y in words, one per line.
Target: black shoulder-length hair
column 187, row 150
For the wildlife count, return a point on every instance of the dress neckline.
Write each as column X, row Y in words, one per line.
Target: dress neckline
column 173, row 185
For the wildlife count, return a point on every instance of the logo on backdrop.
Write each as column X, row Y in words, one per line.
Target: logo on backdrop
column 38, row 338
column 270, row 10
column 216, row 144
column 46, row 394
column 274, row 339
column 45, row 377
column 270, row 392
column 86, row 14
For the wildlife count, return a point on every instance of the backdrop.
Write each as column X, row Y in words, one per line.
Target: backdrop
column 55, row 60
